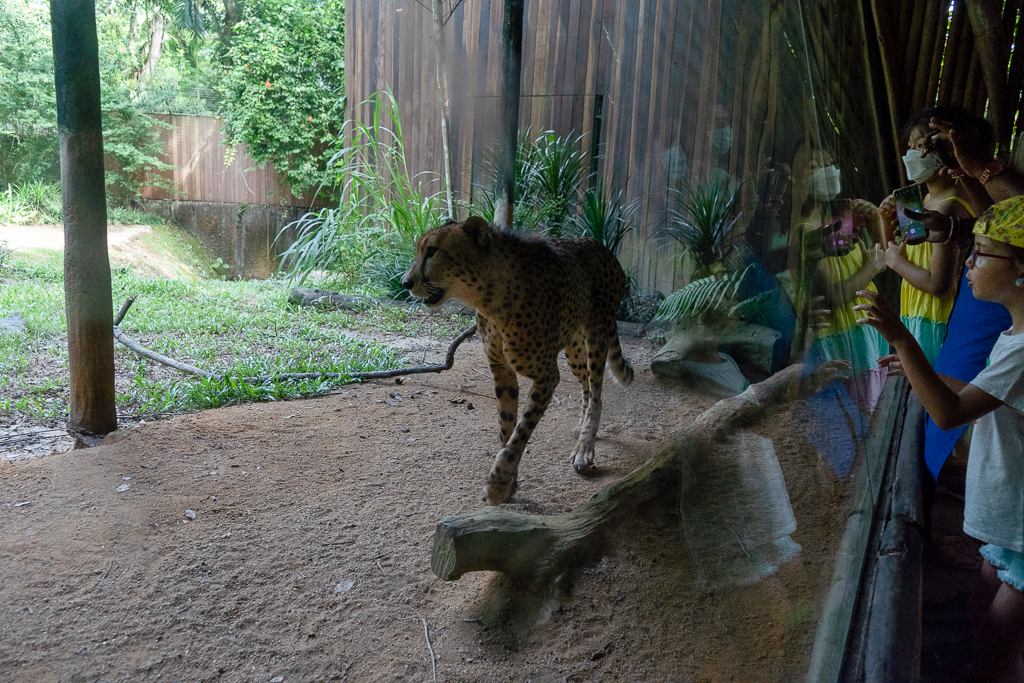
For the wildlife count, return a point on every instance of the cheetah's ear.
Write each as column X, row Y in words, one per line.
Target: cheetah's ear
column 477, row 229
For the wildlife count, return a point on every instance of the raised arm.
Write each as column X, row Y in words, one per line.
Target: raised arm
column 997, row 180
column 948, row 408
column 938, row 281
column 845, row 291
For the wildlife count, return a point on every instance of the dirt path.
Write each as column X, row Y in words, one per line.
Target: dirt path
column 52, row 236
column 308, row 557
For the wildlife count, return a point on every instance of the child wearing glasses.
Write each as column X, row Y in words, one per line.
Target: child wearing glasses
column 994, row 401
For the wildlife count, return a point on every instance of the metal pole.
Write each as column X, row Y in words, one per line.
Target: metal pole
column 87, row 291
column 511, row 88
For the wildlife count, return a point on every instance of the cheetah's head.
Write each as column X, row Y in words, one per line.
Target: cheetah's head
column 447, row 261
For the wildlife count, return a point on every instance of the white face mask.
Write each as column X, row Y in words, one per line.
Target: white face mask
column 920, row 168
column 824, row 183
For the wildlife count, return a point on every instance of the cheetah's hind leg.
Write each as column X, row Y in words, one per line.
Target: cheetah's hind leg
column 576, row 354
column 582, row 457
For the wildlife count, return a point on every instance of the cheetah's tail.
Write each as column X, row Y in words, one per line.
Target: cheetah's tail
column 620, row 365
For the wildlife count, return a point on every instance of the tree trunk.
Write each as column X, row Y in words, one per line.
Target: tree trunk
column 511, row 88
column 156, row 47
column 232, row 15
column 87, row 289
column 133, row 32
column 533, row 549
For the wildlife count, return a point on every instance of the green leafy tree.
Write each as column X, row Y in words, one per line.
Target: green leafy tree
column 132, row 145
column 283, row 85
column 28, row 110
column 28, row 107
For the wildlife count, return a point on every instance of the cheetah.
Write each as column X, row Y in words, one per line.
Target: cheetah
column 533, row 297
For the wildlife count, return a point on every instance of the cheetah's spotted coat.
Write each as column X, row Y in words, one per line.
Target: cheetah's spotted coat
column 533, row 297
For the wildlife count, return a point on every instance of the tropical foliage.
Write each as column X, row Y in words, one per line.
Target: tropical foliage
column 604, row 217
column 548, row 175
column 28, row 111
column 283, row 86
column 702, row 225
column 368, row 238
column 28, row 107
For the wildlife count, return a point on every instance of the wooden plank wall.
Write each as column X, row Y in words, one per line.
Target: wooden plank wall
column 194, row 145
column 657, row 67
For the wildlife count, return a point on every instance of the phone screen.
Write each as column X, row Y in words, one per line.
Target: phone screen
column 909, row 198
column 838, row 229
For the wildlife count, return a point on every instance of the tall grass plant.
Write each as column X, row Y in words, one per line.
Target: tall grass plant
column 549, row 173
column 369, row 238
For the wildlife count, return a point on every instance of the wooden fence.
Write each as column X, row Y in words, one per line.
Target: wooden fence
column 195, row 146
column 647, row 83
column 644, row 82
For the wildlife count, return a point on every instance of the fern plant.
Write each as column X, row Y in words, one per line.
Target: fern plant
column 715, row 294
column 708, row 210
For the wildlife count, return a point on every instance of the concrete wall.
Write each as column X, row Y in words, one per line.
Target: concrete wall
column 242, row 235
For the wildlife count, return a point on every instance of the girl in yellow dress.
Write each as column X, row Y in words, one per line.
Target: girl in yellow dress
column 930, row 271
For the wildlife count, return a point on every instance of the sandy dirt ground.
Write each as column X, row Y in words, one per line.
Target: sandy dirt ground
column 289, row 542
column 52, row 236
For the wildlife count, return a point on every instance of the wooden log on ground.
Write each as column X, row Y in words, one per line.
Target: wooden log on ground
column 532, row 549
column 138, row 348
column 323, row 298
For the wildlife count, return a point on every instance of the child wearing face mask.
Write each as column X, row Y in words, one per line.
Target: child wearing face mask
column 994, row 401
column 838, row 277
column 929, row 271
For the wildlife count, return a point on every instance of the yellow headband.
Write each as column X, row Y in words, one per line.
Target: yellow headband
column 1003, row 222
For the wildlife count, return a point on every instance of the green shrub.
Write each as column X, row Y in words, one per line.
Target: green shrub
column 372, row 233
column 132, row 145
column 33, row 202
column 548, row 175
column 703, row 225
column 604, row 217
column 283, row 83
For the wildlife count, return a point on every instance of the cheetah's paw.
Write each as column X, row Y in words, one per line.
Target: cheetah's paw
column 582, row 458
column 496, row 494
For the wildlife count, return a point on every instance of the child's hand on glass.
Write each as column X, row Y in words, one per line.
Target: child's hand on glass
column 881, row 317
column 892, row 365
column 819, row 315
column 875, row 256
column 864, row 213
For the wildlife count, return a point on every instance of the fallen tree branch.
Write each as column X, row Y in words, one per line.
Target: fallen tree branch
column 138, row 348
column 532, row 549
column 124, row 309
column 326, row 299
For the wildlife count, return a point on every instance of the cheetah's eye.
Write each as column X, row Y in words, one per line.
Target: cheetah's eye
column 431, row 251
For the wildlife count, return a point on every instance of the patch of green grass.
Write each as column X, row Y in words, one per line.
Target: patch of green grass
column 119, row 215
column 46, row 265
column 239, row 329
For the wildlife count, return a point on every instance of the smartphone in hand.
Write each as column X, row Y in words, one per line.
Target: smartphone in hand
column 837, row 233
column 910, row 198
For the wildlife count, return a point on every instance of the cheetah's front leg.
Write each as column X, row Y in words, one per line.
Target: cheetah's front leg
column 506, row 382
column 505, row 468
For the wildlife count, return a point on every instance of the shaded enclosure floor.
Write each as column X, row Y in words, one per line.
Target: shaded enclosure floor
column 951, row 566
